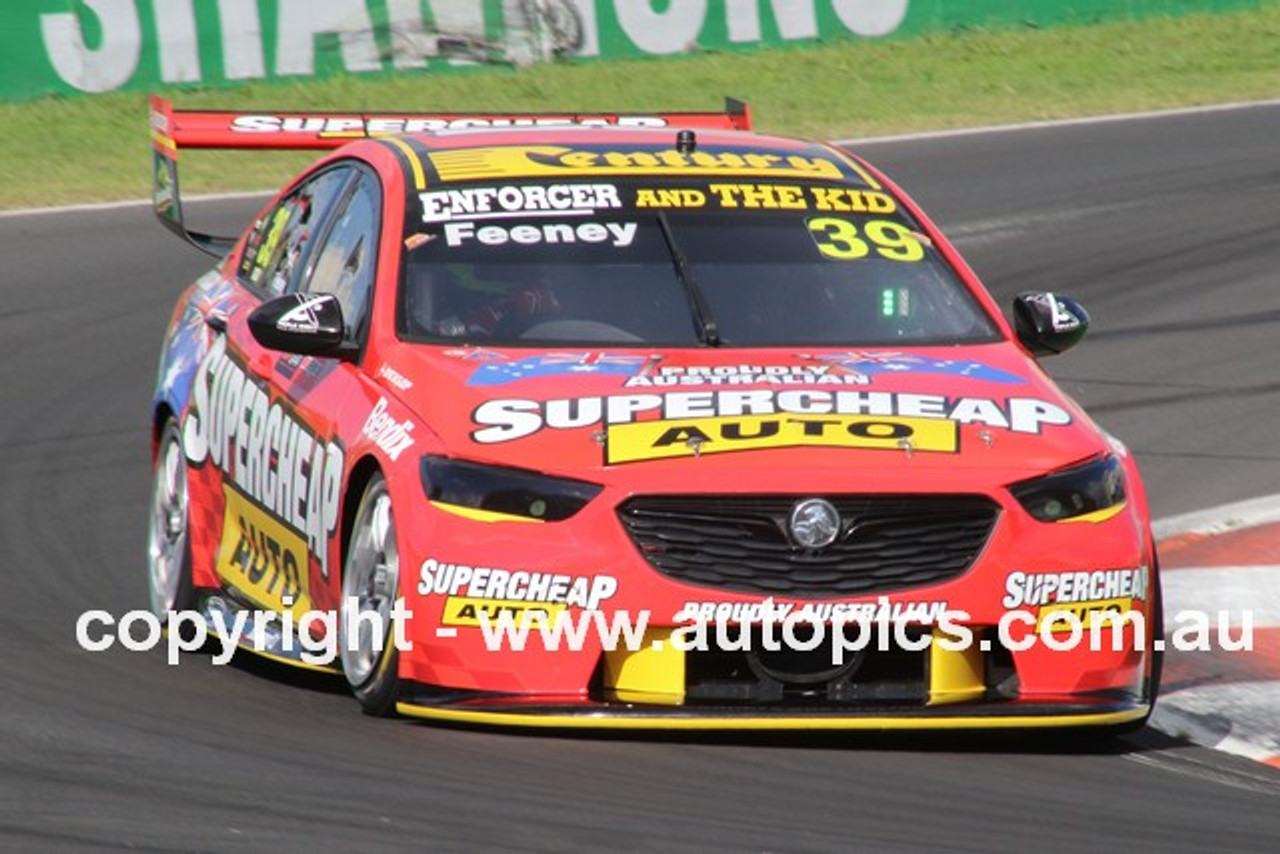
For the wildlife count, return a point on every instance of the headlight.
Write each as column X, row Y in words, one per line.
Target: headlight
column 1089, row 488
column 510, row 491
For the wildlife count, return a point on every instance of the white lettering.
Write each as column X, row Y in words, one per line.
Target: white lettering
column 392, row 436
column 1024, row 589
column 870, row 18
column 437, row 578
column 82, row 631
column 1026, row 416
column 231, row 424
column 112, row 63
column 504, row 420
column 796, row 19
column 300, row 21
column 178, row 41
column 241, row 28
column 671, row 31
column 617, row 234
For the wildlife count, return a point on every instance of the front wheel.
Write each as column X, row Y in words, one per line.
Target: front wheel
column 1156, row 634
column 370, row 582
column 1155, row 643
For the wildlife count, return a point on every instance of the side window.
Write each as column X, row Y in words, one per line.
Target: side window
column 346, row 262
column 285, row 233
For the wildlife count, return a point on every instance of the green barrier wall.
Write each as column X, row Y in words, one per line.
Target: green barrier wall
column 74, row 46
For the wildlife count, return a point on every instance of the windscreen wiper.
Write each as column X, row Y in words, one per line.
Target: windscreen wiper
column 697, row 299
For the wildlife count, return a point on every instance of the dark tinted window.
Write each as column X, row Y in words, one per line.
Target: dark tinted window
column 588, row 280
column 826, row 280
column 767, row 277
column 280, row 240
column 344, row 266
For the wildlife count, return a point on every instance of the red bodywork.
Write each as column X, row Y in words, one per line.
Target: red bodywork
column 425, row 390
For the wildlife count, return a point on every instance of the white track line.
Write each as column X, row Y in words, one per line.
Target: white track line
column 1218, row 520
column 1230, row 589
column 133, row 203
column 873, row 140
column 1049, row 124
column 1178, row 763
column 1237, row 718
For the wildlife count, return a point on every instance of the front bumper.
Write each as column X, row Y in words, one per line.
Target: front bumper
column 452, row 675
column 420, row 701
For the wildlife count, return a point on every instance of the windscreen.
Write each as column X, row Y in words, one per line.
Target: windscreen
column 702, row 268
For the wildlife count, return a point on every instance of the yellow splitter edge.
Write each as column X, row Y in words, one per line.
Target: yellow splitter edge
column 606, row 721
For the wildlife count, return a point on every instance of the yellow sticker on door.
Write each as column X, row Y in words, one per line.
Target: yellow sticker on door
column 654, row 440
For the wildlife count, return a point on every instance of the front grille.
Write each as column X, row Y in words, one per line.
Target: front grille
column 886, row 542
column 871, row 678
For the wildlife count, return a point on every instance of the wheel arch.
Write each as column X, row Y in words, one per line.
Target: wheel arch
column 162, row 413
column 361, row 473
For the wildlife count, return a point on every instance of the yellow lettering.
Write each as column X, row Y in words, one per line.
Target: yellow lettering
column 651, row 440
column 579, row 159
column 766, row 196
column 828, row 199
column 667, row 197
column 806, row 164
column 1088, row 614
column 761, row 161
column 790, row 198
column 641, row 159
column 852, row 201
column 878, row 202
column 726, row 193
column 547, row 160
column 467, row 611
column 261, row 557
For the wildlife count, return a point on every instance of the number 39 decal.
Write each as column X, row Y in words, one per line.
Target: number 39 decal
column 840, row 239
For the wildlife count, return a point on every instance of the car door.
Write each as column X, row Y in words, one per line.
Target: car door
column 342, row 261
column 281, row 459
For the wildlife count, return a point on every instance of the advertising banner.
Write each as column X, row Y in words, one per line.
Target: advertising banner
column 89, row 46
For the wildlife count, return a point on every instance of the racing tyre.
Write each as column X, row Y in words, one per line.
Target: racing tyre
column 1157, row 633
column 168, row 544
column 370, row 583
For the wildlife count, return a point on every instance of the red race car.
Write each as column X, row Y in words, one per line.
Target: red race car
column 633, row 420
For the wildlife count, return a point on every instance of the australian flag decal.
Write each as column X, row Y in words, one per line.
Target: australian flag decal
column 557, row 365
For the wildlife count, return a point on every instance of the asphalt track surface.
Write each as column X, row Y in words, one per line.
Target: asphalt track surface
column 1167, row 230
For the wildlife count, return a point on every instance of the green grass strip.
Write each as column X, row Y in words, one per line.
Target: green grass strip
column 74, row 150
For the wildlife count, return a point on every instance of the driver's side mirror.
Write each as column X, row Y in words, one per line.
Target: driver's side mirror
column 306, row 324
column 1048, row 324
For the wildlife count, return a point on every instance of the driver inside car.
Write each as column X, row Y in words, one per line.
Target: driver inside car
column 447, row 301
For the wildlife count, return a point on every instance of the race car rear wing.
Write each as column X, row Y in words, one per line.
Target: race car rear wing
column 173, row 129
